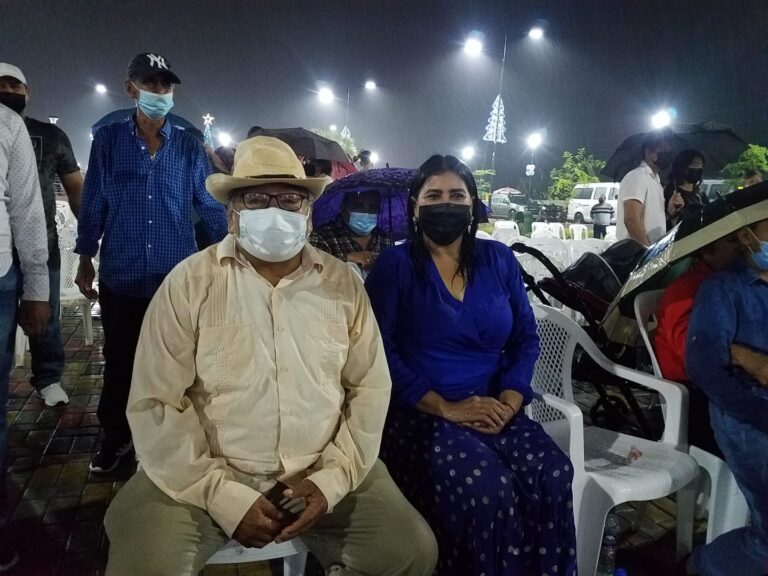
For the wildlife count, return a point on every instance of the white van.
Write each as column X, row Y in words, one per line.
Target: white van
column 585, row 196
column 713, row 189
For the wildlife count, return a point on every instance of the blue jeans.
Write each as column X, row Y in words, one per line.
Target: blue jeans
column 743, row 551
column 47, row 350
column 8, row 304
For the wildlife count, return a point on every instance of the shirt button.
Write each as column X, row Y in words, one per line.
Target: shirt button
column 283, row 369
column 283, row 455
column 280, row 329
column 150, row 221
column 150, row 197
column 286, row 411
column 149, row 245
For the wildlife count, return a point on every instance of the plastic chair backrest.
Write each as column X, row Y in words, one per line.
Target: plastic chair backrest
column 64, row 215
column 552, row 372
column 646, row 306
column 578, row 248
column 578, row 232
column 69, row 263
column 506, row 231
column 540, row 230
column 557, row 229
column 553, row 248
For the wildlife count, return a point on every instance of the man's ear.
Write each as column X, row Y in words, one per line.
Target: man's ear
column 131, row 90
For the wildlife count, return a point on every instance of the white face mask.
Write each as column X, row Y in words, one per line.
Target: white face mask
column 272, row 234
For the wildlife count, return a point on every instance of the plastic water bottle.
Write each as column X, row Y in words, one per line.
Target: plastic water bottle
column 606, row 564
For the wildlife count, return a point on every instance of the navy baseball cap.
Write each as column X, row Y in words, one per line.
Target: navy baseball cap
column 149, row 64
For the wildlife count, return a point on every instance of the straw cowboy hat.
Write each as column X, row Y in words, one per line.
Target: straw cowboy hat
column 263, row 160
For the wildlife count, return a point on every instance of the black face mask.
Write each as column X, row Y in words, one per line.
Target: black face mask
column 693, row 175
column 444, row 223
column 16, row 102
column 663, row 161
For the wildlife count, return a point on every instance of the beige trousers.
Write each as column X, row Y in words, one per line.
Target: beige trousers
column 374, row 531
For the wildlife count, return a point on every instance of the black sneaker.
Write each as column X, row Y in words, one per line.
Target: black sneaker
column 109, row 457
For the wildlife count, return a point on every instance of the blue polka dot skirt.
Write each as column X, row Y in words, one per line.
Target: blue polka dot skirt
column 500, row 505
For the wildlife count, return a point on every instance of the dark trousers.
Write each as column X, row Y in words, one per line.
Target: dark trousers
column 599, row 231
column 121, row 318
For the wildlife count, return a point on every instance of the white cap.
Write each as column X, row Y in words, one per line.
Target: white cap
column 12, row 71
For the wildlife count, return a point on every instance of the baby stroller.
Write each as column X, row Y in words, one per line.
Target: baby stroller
column 589, row 286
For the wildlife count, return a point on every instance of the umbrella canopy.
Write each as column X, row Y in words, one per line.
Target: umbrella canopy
column 715, row 221
column 306, row 143
column 125, row 113
column 391, row 183
column 718, row 144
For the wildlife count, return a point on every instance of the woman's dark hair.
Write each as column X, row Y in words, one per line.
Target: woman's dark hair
column 436, row 165
column 679, row 166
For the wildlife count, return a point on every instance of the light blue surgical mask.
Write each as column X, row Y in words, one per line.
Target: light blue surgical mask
column 760, row 258
column 154, row 106
column 362, row 223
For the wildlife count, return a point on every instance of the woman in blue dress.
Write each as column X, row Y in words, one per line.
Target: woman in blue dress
column 461, row 343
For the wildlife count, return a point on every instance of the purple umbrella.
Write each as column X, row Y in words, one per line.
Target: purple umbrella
column 392, row 185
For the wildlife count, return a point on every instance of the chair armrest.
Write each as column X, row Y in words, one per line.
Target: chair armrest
column 674, row 394
column 575, row 420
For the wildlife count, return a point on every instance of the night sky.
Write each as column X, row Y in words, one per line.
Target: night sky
column 603, row 68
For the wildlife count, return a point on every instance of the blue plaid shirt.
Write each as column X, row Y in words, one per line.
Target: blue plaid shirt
column 141, row 207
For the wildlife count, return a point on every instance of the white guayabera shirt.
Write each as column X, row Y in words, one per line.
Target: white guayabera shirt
column 22, row 219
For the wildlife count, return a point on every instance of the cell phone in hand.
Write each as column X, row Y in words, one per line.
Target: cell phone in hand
column 290, row 507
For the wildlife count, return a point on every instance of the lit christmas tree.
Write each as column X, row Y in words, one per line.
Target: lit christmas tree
column 207, row 136
column 496, row 129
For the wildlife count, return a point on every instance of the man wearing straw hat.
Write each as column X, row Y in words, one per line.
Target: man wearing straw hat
column 260, row 361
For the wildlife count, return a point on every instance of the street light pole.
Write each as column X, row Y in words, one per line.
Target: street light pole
column 346, row 111
column 498, row 124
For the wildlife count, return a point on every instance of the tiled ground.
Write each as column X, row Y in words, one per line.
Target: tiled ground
column 58, row 506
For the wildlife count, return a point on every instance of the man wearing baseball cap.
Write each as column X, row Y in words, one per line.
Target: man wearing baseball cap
column 144, row 178
column 261, row 361
column 54, row 157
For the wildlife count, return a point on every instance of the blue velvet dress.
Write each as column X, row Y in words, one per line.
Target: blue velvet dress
column 499, row 504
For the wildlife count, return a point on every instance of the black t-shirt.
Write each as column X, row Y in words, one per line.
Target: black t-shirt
column 54, row 157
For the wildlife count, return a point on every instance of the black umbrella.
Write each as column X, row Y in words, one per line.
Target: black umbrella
column 718, row 144
column 305, row 143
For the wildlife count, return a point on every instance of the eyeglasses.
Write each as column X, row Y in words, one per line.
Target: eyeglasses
column 289, row 201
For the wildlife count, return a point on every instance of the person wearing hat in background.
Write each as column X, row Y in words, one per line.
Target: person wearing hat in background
column 54, row 157
column 261, row 361
column 144, row 178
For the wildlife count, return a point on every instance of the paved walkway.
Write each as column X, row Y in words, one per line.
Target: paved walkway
column 58, row 506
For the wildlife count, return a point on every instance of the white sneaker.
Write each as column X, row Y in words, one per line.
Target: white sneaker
column 54, row 395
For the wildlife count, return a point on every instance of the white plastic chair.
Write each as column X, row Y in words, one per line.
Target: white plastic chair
column 557, row 229
column 577, row 248
column 541, row 230
column 69, row 293
column 578, row 232
column 293, row 552
column 553, row 248
column 506, row 231
column 610, row 234
column 727, row 506
column 604, row 476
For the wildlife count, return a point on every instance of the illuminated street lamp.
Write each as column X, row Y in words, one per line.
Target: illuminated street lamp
column 536, row 33
column 370, row 85
column 374, row 158
column 467, row 153
column 534, row 141
column 661, row 119
column 100, row 89
column 224, row 139
column 333, row 127
column 473, row 46
column 325, row 95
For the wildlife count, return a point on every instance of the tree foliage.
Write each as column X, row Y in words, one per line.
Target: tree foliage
column 483, row 180
column 579, row 168
column 347, row 143
column 753, row 158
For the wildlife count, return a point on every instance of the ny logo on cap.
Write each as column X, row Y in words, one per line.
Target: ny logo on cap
column 154, row 59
